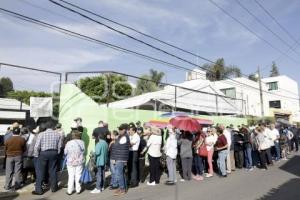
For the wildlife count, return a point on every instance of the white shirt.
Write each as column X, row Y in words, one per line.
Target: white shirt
column 135, row 139
column 227, row 134
column 275, row 134
column 154, row 144
column 210, row 141
column 268, row 135
column 171, row 146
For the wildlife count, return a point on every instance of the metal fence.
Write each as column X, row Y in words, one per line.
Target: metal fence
column 197, row 97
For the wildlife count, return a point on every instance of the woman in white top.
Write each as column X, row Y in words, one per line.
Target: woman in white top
column 154, row 154
column 210, row 141
column 171, row 152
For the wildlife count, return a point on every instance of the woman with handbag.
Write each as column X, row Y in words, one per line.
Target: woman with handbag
column 200, row 153
column 210, row 141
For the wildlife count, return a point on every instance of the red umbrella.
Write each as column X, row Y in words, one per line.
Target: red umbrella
column 185, row 123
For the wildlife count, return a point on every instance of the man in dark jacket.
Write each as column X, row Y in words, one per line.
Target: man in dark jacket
column 119, row 156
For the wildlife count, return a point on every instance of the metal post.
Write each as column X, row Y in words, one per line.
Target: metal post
column 217, row 105
column 108, row 90
column 175, row 107
column 66, row 77
column 59, row 89
column 260, row 93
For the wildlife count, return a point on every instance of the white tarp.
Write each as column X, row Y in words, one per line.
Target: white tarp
column 41, row 107
column 187, row 99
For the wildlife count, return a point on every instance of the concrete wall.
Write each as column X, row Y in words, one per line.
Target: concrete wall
column 74, row 103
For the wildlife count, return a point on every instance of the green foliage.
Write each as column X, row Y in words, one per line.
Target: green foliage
column 274, row 71
column 145, row 86
column 218, row 71
column 156, row 76
column 105, row 88
column 24, row 96
column 256, row 120
column 6, row 85
column 253, row 77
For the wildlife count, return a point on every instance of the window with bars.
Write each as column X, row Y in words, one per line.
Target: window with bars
column 273, row 86
column 229, row 92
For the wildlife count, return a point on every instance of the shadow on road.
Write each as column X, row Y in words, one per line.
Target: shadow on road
column 292, row 166
column 290, row 189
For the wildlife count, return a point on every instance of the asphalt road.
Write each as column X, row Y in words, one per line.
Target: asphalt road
column 282, row 181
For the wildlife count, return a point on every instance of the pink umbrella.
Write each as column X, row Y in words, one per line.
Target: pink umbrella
column 185, row 123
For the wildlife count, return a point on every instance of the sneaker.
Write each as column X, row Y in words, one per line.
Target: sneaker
column 102, row 189
column 182, row 180
column 228, row 172
column 95, row 191
column 209, row 175
column 200, row 178
column 151, row 184
column 250, row 169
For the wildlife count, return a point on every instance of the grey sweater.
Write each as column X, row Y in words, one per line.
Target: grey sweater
column 186, row 150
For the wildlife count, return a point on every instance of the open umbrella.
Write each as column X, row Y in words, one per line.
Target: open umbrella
column 185, row 123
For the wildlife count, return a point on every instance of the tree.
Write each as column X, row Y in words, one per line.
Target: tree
column 145, row 86
column 6, row 86
column 105, row 88
column 24, row 97
column 218, row 71
column 274, row 70
column 156, row 76
column 253, row 77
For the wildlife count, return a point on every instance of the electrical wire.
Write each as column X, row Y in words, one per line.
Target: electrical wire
column 251, row 31
column 90, row 39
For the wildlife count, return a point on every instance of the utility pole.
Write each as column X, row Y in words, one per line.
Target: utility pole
column 261, row 93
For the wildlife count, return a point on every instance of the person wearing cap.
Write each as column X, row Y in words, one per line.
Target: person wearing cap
column 14, row 149
column 74, row 152
column 154, row 152
column 133, row 156
column 119, row 156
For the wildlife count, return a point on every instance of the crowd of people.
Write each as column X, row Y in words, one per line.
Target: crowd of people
column 134, row 150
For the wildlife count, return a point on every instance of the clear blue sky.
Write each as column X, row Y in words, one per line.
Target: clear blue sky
column 195, row 25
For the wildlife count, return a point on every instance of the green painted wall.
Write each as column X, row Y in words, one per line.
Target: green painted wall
column 74, row 103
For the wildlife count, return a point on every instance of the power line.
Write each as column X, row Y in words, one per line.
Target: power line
column 90, row 39
column 138, row 40
column 251, row 31
column 276, row 21
column 266, row 27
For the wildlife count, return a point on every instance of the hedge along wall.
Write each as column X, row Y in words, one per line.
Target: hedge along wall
column 74, row 103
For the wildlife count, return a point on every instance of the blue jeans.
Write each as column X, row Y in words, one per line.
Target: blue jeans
column 248, row 156
column 113, row 181
column 277, row 151
column 100, row 177
column 198, row 165
column 222, row 155
column 120, row 175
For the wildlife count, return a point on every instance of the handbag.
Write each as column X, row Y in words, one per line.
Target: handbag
column 203, row 151
column 28, row 163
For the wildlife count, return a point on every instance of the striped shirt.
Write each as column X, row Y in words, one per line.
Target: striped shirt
column 47, row 140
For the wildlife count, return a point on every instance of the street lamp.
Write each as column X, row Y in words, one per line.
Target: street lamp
column 258, row 76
